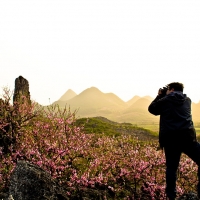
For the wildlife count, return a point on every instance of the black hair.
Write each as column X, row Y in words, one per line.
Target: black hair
column 176, row 86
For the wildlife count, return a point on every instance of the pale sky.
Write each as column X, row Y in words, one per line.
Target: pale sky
column 127, row 47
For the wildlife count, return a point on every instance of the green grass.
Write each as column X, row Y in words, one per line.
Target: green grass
column 100, row 125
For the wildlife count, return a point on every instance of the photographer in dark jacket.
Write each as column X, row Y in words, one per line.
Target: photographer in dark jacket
column 176, row 134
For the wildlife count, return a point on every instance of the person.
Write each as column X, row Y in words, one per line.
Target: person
column 176, row 132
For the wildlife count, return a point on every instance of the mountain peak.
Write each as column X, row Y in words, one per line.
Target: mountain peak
column 68, row 95
column 148, row 97
column 91, row 91
column 133, row 100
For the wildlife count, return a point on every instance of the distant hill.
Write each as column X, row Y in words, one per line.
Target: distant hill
column 92, row 102
column 148, row 97
column 141, row 104
column 133, row 100
column 138, row 112
column 68, row 95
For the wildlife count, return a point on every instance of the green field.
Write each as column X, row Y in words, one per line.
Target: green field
column 155, row 128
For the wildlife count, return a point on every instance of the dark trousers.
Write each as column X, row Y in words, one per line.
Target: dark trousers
column 185, row 142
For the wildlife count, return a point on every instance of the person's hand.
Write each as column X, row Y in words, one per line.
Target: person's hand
column 159, row 91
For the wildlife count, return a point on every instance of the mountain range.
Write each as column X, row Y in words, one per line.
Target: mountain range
column 92, row 102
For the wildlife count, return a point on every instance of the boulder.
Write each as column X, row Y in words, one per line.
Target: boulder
column 30, row 182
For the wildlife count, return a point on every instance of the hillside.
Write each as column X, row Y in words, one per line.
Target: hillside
column 138, row 112
column 133, row 100
column 102, row 125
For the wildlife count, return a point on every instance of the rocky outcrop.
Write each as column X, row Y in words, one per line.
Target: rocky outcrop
column 30, row 182
column 21, row 89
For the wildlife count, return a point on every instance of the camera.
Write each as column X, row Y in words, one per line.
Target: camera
column 163, row 91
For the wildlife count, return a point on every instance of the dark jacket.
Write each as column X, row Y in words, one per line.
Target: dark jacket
column 175, row 115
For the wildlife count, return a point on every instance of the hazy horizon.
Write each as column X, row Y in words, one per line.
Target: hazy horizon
column 125, row 47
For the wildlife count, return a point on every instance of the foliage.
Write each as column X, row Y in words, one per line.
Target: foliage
column 53, row 140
